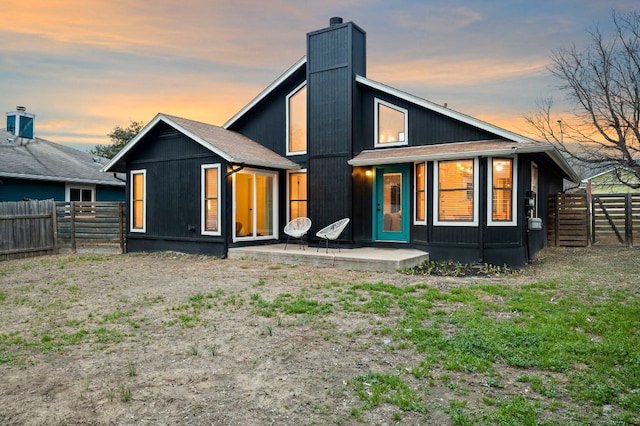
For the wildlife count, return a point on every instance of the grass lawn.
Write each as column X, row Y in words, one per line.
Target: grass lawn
column 556, row 344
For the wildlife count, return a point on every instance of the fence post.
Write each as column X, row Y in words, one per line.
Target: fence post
column 54, row 226
column 628, row 221
column 73, row 226
column 122, row 226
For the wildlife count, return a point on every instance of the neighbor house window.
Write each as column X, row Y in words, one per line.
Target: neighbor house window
column 391, row 123
column 420, row 194
column 297, row 189
column 297, row 121
column 534, row 188
column 456, row 193
column 82, row 194
column 138, row 200
column 501, row 192
column 210, row 199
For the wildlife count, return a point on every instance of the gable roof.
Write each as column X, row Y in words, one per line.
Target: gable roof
column 498, row 131
column 232, row 146
column 40, row 159
column 455, row 150
column 288, row 73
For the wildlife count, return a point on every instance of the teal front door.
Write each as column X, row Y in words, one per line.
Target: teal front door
column 391, row 203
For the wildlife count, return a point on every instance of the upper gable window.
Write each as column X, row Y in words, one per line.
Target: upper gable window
column 297, row 121
column 391, row 124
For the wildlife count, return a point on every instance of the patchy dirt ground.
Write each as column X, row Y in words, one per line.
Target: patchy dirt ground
column 175, row 339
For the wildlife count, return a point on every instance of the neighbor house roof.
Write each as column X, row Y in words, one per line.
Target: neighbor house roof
column 232, row 146
column 455, row 150
column 40, row 159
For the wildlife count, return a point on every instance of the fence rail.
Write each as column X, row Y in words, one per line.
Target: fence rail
column 90, row 222
column 32, row 228
column 615, row 219
column 27, row 228
column 568, row 220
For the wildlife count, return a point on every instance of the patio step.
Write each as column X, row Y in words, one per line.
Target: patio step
column 360, row 259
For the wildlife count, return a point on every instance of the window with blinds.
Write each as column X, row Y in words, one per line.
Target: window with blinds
column 138, row 199
column 456, row 191
column 420, row 201
column 297, row 194
column 210, row 199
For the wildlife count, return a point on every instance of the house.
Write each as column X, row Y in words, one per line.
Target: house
column 326, row 142
column 35, row 168
column 606, row 182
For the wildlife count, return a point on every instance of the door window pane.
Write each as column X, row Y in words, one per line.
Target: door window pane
column 392, row 202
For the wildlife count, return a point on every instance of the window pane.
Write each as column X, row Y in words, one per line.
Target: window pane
column 138, row 201
column 502, row 181
column 298, row 121
column 455, row 190
column 390, row 125
column 86, row 195
column 74, row 194
column 297, row 195
column 264, row 205
column 420, row 192
column 211, row 200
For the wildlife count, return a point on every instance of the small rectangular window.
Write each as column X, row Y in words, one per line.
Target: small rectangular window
column 138, row 200
column 391, row 123
column 297, row 194
column 210, row 199
column 501, row 191
column 420, row 201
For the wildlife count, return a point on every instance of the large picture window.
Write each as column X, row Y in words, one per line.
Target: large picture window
column 210, row 199
column 391, row 123
column 456, row 193
column 420, row 194
column 138, row 200
column 501, row 204
column 297, row 121
column 297, row 188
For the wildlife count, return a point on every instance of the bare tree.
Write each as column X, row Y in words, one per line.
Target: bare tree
column 602, row 82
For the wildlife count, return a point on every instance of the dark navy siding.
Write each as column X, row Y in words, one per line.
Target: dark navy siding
column 173, row 180
column 426, row 127
column 265, row 123
column 329, row 181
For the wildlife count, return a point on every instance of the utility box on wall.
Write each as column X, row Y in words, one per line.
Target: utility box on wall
column 535, row 224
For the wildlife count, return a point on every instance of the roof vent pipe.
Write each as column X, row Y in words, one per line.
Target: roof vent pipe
column 21, row 108
column 336, row 20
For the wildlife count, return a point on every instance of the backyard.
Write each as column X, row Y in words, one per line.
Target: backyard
column 178, row 339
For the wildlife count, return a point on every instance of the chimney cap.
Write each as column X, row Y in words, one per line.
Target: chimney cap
column 336, row 20
column 21, row 108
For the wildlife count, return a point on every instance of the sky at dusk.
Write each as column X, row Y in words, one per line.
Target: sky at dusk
column 83, row 67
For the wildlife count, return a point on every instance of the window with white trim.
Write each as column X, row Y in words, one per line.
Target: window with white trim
column 297, row 121
column 255, row 207
column 81, row 194
column 534, row 188
column 391, row 124
column 501, row 192
column 455, row 192
column 420, row 201
column 138, row 200
column 297, row 194
column 210, row 199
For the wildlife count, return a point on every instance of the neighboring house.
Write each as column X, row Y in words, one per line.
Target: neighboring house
column 326, row 142
column 607, row 182
column 34, row 168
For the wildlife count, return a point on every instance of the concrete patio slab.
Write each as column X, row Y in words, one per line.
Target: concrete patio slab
column 361, row 259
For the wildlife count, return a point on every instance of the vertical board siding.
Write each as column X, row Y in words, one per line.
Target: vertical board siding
column 329, row 181
column 330, row 112
column 26, row 228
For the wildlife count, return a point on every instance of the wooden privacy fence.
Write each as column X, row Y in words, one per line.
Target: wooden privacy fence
column 27, row 228
column 90, row 223
column 615, row 219
column 568, row 220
